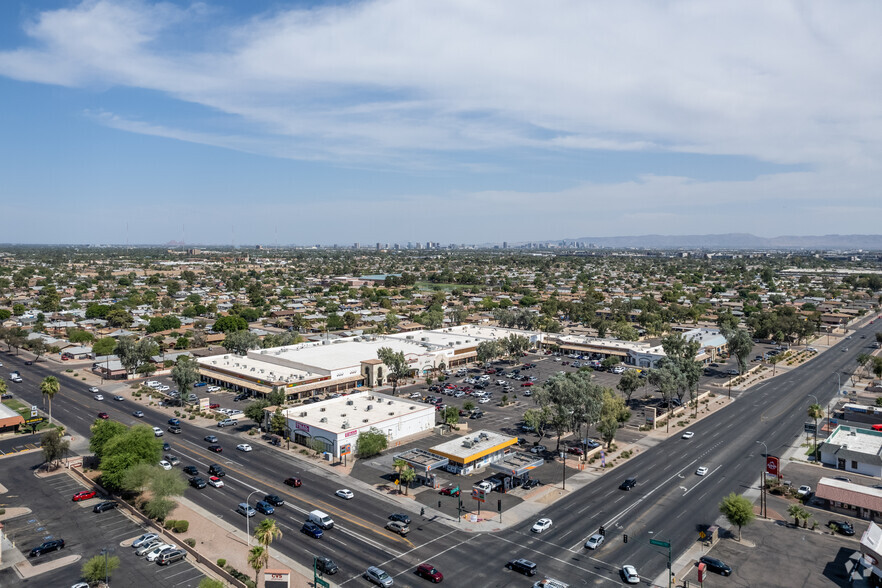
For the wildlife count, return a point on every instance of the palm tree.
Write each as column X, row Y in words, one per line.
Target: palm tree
column 407, row 475
column 258, row 557
column 266, row 531
column 400, row 465
column 797, row 512
column 50, row 387
column 815, row 412
column 3, row 387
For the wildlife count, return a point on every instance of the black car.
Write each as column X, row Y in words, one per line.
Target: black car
column 216, row 470
column 274, row 500
column 844, row 527
column 166, row 446
column 715, row 565
column 198, row 483
column 398, row 516
column 108, row 505
column 215, row 448
column 191, row 470
column 523, row 566
column 628, row 484
column 326, row 565
column 531, row 483
column 29, row 362
column 47, row 546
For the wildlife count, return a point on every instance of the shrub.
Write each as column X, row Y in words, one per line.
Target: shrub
column 221, row 562
column 181, row 526
column 190, row 541
column 192, row 416
column 2, row 511
column 170, row 523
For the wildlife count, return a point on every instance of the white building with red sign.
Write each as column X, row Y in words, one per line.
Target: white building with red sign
column 336, row 423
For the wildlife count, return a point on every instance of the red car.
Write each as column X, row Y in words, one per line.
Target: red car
column 429, row 572
column 293, row 482
column 103, row 415
column 575, row 451
column 526, row 384
column 451, row 491
column 213, row 406
column 84, row 495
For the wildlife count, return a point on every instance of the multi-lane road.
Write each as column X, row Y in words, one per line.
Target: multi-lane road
column 670, row 502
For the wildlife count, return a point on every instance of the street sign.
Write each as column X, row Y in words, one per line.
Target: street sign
column 34, row 411
column 810, row 427
column 772, row 466
column 702, row 535
column 478, row 494
column 346, row 449
column 659, row 543
column 322, row 583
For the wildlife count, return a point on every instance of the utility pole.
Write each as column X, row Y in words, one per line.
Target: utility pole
column 763, row 481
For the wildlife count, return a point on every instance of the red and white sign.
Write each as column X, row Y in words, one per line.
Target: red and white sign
column 301, row 427
column 702, row 569
column 773, row 466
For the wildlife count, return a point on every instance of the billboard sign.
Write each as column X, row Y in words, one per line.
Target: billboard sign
column 773, row 466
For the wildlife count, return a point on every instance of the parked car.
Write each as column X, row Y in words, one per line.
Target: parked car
column 576, row 451
column 154, row 554
column 804, row 490
column 169, row 557
column 715, row 565
column 47, row 547
column 429, row 572
column 106, row 505
column 843, row 527
column 145, row 538
column 84, row 495
column 148, row 546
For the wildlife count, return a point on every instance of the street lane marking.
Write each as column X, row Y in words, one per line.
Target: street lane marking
column 703, row 478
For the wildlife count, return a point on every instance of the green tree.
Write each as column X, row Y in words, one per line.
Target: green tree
column 334, row 322
column 104, row 346
column 407, row 476
column 54, row 446
column 18, row 309
column 613, row 414
column 210, row 583
column 740, row 345
column 395, row 363
column 487, row 351
column 738, row 510
column 37, row 347
column 350, row 319
column 450, row 415
column 136, row 445
column 255, row 411
column 629, row 383
column 468, row 405
column 49, row 387
column 102, row 432
column 230, row 323
column 185, row 373
column 538, row 419
column 797, row 512
column 239, row 342
column 98, row 568
column 257, row 559
column 79, row 336
column 119, row 318
column 371, row 443
column 278, row 423
column 266, row 532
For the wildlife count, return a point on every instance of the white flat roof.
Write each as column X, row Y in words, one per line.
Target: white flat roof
column 338, row 411
column 272, row 373
column 856, row 439
column 463, row 448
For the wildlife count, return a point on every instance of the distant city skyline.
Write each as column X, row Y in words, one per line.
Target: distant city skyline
column 226, row 122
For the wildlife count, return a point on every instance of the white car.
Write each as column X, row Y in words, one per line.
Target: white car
column 94, row 390
column 157, row 551
column 541, row 525
column 630, row 575
column 214, row 388
column 216, row 482
column 153, row 384
column 415, row 395
column 157, row 432
column 243, row 447
column 164, row 465
column 483, row 400
column 99, row 397
column 594, row 541
column 804, row 490
column 163, row 388
column 347, row 494
column 688, row 435
column 701, row 471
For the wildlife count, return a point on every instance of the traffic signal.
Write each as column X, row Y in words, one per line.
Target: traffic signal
column 602, row 531
column 625, row 538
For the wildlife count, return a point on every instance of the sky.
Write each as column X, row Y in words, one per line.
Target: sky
column 270, row 122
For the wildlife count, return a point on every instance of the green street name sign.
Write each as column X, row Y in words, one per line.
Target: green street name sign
column 659, row 543
column 320, row 582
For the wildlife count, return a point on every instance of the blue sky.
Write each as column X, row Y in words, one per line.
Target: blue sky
column 395, row 121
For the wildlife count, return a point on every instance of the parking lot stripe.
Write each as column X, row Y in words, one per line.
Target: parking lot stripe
column 191, row 579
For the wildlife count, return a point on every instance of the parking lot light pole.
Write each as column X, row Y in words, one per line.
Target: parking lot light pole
column 763, row 480
column 104, row 551
column 247, row 518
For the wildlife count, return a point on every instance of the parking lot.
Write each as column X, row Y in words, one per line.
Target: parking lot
column 55, row 516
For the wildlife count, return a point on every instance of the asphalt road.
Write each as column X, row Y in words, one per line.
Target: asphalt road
column 670, row 502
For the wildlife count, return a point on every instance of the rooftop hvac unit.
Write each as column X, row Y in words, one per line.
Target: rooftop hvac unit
column 364, row 420
column 342, row 414
column 345, row 425
column 350, row 402
column 482, row 435
column 303, row 414
column 391, row 414
column 322, row 409
column 369, row 407
column 323, row 420
column 408, row 336
column 412, row 407
column 466, row 443
column 424, row 338
column 389, row 403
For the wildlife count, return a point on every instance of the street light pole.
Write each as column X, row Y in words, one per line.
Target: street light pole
column 763, row 480
column 247, row 518
column 563, row 456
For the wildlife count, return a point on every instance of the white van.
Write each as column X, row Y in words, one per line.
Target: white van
column 321, row 519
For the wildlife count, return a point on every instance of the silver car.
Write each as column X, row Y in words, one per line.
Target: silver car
column 377, row 576
column 146, row 548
